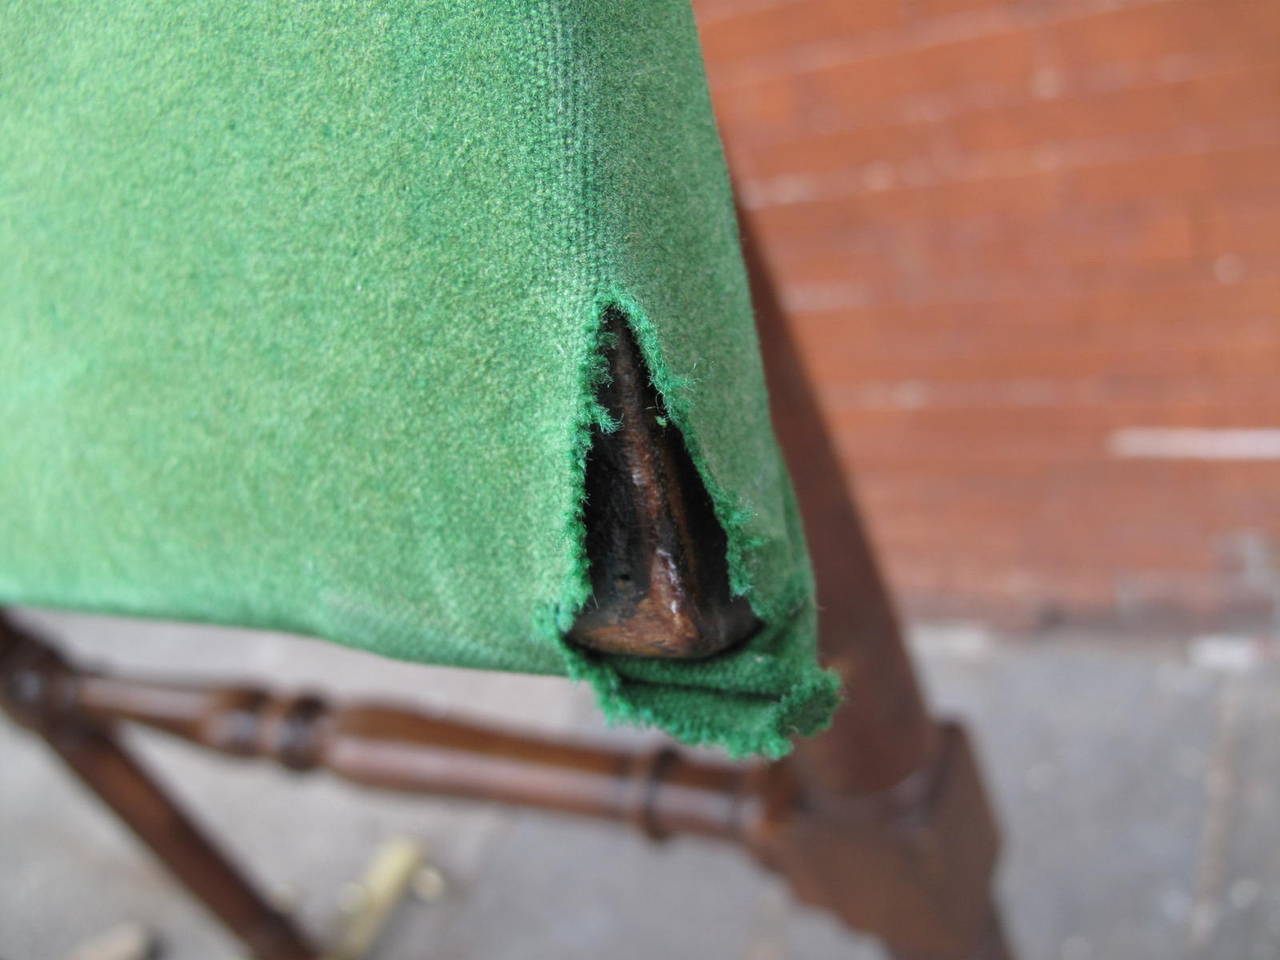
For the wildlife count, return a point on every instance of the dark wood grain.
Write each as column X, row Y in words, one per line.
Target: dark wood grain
column 659, row 577
column 40, row 690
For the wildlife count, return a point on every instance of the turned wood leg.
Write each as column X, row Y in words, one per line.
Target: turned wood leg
column 36, row 691
column 882, row 820
column 889, row 826
column 910, row 863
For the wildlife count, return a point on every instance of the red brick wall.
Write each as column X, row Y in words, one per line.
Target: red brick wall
column 1006, row 230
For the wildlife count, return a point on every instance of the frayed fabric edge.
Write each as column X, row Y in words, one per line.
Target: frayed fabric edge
column 768, row 719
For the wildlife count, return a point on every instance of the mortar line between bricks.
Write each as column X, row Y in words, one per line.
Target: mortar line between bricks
column 918, row 36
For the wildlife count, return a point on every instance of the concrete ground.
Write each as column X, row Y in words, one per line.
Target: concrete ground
column 1139, row 786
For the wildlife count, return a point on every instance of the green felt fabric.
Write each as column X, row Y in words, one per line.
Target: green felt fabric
column 299, row 318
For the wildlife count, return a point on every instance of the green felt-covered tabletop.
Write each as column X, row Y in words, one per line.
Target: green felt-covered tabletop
column 299, row 328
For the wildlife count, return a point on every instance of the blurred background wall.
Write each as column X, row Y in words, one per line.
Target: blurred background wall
column 1031, row 249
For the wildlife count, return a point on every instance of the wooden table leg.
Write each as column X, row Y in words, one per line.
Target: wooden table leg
column 890, row 828
column 34, row 682
column 883, row 820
